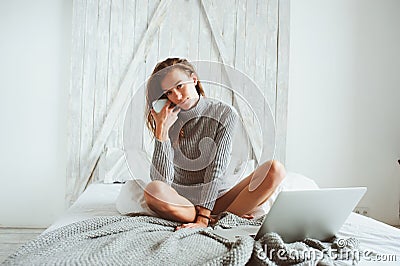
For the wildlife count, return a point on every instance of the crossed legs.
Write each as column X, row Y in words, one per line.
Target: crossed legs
column 242, row 199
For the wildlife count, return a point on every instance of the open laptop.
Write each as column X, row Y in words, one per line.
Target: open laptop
column 296, row 215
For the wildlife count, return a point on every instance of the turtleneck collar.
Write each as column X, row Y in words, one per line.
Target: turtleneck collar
column 195, row 111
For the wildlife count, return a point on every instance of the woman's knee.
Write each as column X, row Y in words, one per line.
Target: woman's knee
column 277, row 172
column 156, row 188
column 155, row 194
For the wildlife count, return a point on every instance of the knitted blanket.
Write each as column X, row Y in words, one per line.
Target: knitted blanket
column 144, row 240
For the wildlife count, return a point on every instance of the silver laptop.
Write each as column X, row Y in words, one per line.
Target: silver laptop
column 296, row 215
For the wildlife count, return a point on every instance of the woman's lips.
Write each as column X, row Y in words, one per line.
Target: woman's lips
column 181, row 103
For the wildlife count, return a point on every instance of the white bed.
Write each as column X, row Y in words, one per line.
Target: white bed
column 100, row 200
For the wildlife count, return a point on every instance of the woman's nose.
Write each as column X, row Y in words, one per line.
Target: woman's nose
column 177, row 94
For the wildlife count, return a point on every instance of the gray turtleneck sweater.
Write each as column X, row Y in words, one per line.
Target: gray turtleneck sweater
column 194, row 160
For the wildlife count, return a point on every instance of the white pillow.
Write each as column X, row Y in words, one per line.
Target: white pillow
column 292, row 181
column 131, row 198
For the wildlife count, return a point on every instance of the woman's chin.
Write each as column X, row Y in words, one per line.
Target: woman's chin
column 186, row 105
column 189, row 104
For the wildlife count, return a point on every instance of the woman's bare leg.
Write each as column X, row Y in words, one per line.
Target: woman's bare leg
column 167, row 203
column 252, row 191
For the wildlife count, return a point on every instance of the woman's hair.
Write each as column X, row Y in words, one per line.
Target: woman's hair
column 154, row 90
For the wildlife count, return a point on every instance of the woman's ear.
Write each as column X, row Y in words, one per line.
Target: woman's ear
column 194, row 77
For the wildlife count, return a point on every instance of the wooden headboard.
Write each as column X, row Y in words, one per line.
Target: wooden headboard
column 116, row 44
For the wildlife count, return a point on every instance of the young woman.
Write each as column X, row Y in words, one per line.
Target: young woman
column 193, row 141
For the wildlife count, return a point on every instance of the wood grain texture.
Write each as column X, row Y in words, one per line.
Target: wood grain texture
column 282, row 79
column 75, row 97
column 120, row 99
column 13, row 238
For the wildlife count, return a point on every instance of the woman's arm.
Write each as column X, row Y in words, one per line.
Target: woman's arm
column 162, row 167
column 216, row 169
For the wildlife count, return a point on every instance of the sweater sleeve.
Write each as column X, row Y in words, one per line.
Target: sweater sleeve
column 162, row 167
column 216, row 169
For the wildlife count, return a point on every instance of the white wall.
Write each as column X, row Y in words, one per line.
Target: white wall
column 344, row 93
column 35, row 39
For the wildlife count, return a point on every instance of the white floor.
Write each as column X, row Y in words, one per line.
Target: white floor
column 12, row 238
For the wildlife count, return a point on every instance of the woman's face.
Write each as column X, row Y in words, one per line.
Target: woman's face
column 180, row 88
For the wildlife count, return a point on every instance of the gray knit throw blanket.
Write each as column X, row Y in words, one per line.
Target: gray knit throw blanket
column 144, row 240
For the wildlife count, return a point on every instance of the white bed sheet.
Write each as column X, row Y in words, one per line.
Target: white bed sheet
column 374, row 236
column 99, row 200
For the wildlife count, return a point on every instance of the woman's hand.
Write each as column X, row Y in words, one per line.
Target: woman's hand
column 197, row 224
column 164, row 120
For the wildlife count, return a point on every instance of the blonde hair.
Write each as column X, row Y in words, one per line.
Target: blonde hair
column 154, row 90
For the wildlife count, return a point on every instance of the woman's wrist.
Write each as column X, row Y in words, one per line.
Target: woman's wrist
column 203, row 215
column 161, row 134
column 202, row 220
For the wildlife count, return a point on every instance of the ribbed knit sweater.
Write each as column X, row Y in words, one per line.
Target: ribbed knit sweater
column 194, row 160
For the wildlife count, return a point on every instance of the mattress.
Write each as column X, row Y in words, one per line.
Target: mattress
column 374, row 236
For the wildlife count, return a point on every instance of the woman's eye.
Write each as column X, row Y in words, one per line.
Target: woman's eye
column 179, row 86
column 167, row 93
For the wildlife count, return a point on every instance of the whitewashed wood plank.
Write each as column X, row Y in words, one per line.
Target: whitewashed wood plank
column 193, row 26
column 103, row 42
column 165, row 34
column 210, row 13
column 121, row 99
column 209, row 50
column 283, row 79
column 217, row 42
column 229, row 35
column 178, row 28
column 13, row 230
column 150, row 62
column 153, row 57
column 101, row 75
column 240, row 38
column 75, row 97
column 141, row 26
column 13, row 238
column 261, row 39
column 112, row 168
column 128, row 34
column 114, row 68
column 205, row 45
column 16, row 238
column 228, row 27
column 134, row 25
column 215, row 55
column 8, row 249
column 251, row 37
column 245, row 111
column 141, row 22
column 240, row 64
column 271, row 60
column 89, row 70
column 215, row 24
